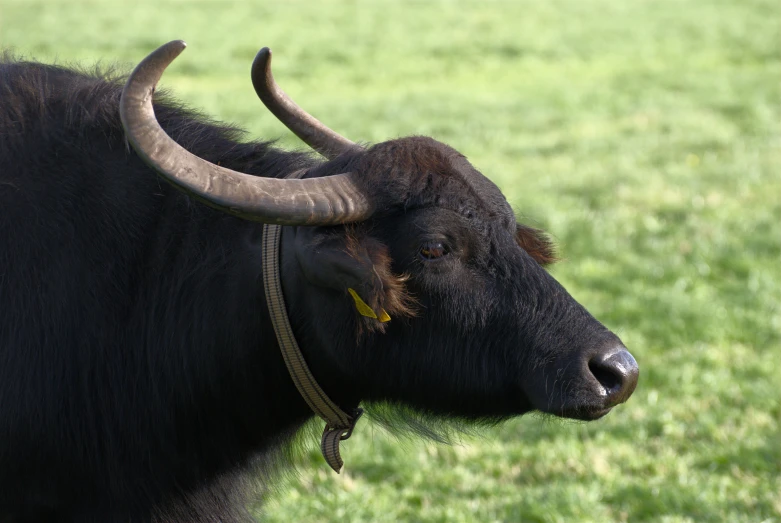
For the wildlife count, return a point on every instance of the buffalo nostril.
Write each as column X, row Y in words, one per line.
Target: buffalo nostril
column 617, row 372
column 610, row 381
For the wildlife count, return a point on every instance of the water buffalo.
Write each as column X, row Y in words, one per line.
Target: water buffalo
column 140, row 375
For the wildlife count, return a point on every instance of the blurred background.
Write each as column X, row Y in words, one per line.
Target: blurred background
column 645, row 136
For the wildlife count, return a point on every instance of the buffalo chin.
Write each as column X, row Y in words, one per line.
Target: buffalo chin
column 583, row 413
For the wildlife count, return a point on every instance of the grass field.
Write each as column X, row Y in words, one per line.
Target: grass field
column 644, row 135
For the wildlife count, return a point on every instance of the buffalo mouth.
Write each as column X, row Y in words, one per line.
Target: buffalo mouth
column 583, row 413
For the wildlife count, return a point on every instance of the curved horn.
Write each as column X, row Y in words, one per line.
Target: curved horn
column 316, row 201
column 311, row 130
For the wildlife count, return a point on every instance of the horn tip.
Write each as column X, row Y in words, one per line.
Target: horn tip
column 168, row 52
column 176, row 46
column 263, row 56
column 261, row 68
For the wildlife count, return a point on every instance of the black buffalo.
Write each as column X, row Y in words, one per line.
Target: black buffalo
column 140, row 377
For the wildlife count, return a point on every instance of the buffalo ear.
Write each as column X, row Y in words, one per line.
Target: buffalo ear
column 344, row 258
column 537, row 243
column 331, row 257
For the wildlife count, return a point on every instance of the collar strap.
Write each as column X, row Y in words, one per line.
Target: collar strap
column 339, row 425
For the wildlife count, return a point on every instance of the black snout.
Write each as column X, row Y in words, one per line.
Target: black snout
column 616, row 371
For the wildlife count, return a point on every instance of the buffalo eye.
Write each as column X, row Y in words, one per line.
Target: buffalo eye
column 433, row 250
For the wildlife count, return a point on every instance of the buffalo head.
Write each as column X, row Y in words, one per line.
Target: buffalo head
column 407, row 231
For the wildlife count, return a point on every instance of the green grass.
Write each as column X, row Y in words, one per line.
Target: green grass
column 644, row 135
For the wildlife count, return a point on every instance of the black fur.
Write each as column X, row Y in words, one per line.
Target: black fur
column 139, row 373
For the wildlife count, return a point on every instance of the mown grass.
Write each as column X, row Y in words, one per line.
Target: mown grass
column 644, row 135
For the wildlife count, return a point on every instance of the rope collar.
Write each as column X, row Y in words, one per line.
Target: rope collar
column 339, row 425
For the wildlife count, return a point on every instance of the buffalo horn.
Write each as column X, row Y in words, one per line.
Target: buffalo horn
column 311, row 130
column 328, row 200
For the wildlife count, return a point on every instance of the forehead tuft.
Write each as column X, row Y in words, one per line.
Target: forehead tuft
column 420, row 171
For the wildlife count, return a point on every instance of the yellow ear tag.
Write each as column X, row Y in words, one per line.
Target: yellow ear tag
column 363, row 309
column 383, row 316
